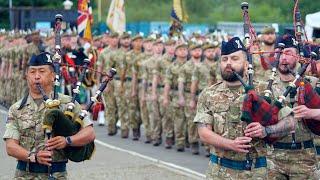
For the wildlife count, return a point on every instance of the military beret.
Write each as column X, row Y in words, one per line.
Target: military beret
column 138, row 36
column 194, row 46
column 125, row 35
column 288, row 40
column 170, row 42
column 210, row 45
column 41, row 59
column 182, row 45
column 233, row 45
column 268, row 30
column 114, row 35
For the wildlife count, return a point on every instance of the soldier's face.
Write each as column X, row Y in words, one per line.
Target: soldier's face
column 114, row 41
column 170, row 49
column 232, row 62
column 288, row 60
column 137, row 43
column 209, row 53
column 40, row 74
column 147, row 46
column 196, row 53
column 125, row 42
column 182, row 52
column 269, row 39
column 158, row 48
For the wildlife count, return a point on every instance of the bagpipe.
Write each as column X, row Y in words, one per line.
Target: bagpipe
column 58, row 123
column 260, row 109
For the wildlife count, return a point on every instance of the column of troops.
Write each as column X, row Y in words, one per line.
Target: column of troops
column 158, row 82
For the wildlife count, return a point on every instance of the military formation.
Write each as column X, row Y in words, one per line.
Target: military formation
column 183, row 92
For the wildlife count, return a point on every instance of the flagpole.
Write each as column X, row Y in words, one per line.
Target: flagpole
column 99, row 10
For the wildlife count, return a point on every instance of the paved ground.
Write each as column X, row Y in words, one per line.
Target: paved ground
column 117, row 158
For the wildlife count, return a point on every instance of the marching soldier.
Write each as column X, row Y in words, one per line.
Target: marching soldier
column 141, row 65
column 106, row 61
column 171, row 95
column 133, row 57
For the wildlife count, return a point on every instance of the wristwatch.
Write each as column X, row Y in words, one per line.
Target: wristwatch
column 68, row 141
column 32, row 157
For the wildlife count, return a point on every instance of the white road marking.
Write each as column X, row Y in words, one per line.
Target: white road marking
column 170, row 166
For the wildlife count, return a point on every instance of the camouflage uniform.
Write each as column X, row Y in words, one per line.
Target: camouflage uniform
column 151, row 69
column 119, row 62
column 106, row 60
column 140, row 68
column 167, row 122
column 293, row 163
column 187, row 76
column 25, row 126
column 220, row 107
column 177, row 113
column 133, row 102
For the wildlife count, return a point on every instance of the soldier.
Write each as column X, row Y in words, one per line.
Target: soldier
column 167, row 121
column 187, row 94
column 141, row 65
column 25, row 139
column 171, row 95
column 219, row 124
column 268, row 45
column 293, row 155
column 133, row 57
column 204, row 76
column 106, row 61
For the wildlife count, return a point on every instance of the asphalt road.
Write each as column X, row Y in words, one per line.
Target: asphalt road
column 117, row 158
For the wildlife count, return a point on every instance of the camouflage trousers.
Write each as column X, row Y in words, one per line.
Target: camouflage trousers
column 134, row 115
column 155, row 118
column 167, row 121
column 218, row 172
column 293, row 164
column 111, row 108
column 192, row 130
column 121, row 101
column 23, row 175
column 179, row 123
column 144, row 115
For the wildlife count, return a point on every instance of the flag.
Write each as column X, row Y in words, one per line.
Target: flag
column 116, row 19
column 179, row 12
column 85, row 19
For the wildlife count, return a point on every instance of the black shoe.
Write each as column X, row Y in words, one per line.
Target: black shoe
column 180, row 149
column 112, row 133
column 124, row 134
column 195, row 148
column 148, row 140
column 135, row 134
column 157, row 142
column 169, row 143
column 207, row 153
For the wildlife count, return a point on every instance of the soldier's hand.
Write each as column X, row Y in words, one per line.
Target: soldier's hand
column 181, row 102
column 255, row 129
column 58, row 142
column 193, row 105
column 44, row 157
column 240, row 144
column 303, row 112
column 154, row 97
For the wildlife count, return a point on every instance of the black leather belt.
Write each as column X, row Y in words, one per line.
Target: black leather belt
column 294, row 146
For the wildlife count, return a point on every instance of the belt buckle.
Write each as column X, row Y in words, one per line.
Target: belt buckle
column 248, row 166
column 218, row 160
